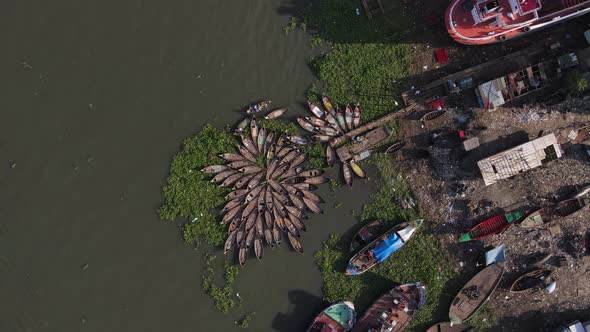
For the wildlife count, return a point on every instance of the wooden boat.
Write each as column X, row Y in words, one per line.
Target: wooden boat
column 298, row 140
column 214, row 169
column 532, row 281
column 328, row 131
column 275, row 113
column 339, row 317
column 327, row 104
column 366, row 235
column 432, row 115
column 448, row 327
column 315, row 121
column 356, row 115
column 306, row 125
column 330, row 156
column 533, row 219
column 258, row 107
column 571, row 206
column 394, row 310
column 348, row 115
column 321, row 138
column 333, row 122
column 341, row 119
column 254, row 130
column 475, row 293
column 492, row 226
column 242, row 125
column 347, row 173
column 382, row 247
column 396, row 146
column 357, row 169
column 315, row 110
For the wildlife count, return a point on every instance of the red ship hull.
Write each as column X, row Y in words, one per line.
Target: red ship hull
column 479, row 22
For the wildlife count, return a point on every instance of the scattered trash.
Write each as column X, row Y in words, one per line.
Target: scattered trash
column 554, row 230
column 496, row 255
column 551, row 288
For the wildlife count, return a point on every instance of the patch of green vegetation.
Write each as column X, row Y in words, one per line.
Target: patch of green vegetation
column 316, row 156
column 575, row 81
column 484, row 319
column 189, row 193
column 222, row 296
column 364, row 73
column 312, row 94
column 421, row 259
column 337, row 21
column 279, row 126
column 291, row 26
column 244, row 322
column 334, row 183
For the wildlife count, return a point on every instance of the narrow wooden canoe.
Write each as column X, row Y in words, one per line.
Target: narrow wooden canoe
column 242, row 126
column 327, row 104
column 306, row 125
column 475, row 293
column 492, row 226
column 382, row 247
column 366, row 235
column 570, row 206
column 532, row 281
column 315, row 110
column 348, row 115
column 341, row 120
column 275, row 113
column 394, row 310
column 356, row 114
column 330, row 155
column 339, row 317
column 447, row 327
column 347, row 173
column 357, row 169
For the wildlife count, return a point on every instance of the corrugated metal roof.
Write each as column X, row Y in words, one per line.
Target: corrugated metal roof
column 517, row 159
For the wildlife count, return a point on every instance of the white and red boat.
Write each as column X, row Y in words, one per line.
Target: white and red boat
column 477, row 22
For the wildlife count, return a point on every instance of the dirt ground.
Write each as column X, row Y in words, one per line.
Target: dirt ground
column 449, row 188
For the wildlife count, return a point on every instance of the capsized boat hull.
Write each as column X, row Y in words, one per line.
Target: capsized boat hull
column 475, row 293
column 394, row 310
column 340, row 317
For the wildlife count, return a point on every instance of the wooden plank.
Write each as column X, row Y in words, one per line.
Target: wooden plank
column 372, row 125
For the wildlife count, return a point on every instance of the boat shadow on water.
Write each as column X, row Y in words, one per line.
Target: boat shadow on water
column 303, row 307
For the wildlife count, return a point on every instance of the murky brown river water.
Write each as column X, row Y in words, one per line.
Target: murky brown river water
column 96, row 97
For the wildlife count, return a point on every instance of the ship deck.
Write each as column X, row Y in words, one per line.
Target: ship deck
column 485, row 21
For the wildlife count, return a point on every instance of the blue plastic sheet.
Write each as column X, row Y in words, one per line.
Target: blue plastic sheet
column 387, row 247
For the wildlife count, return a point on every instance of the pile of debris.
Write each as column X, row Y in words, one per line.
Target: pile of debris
column 450, row 189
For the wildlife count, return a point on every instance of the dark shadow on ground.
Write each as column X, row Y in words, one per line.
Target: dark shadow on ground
column 302, row 309
column 530, row 321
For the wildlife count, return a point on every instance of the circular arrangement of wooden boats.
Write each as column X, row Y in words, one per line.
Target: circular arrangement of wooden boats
column 271, row 188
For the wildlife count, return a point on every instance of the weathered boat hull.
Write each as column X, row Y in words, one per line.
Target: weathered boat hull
column 394, row 310
column 339, row 317
column 492, row 226
column 532, row 281
column 366, row 235
column 475, row 293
